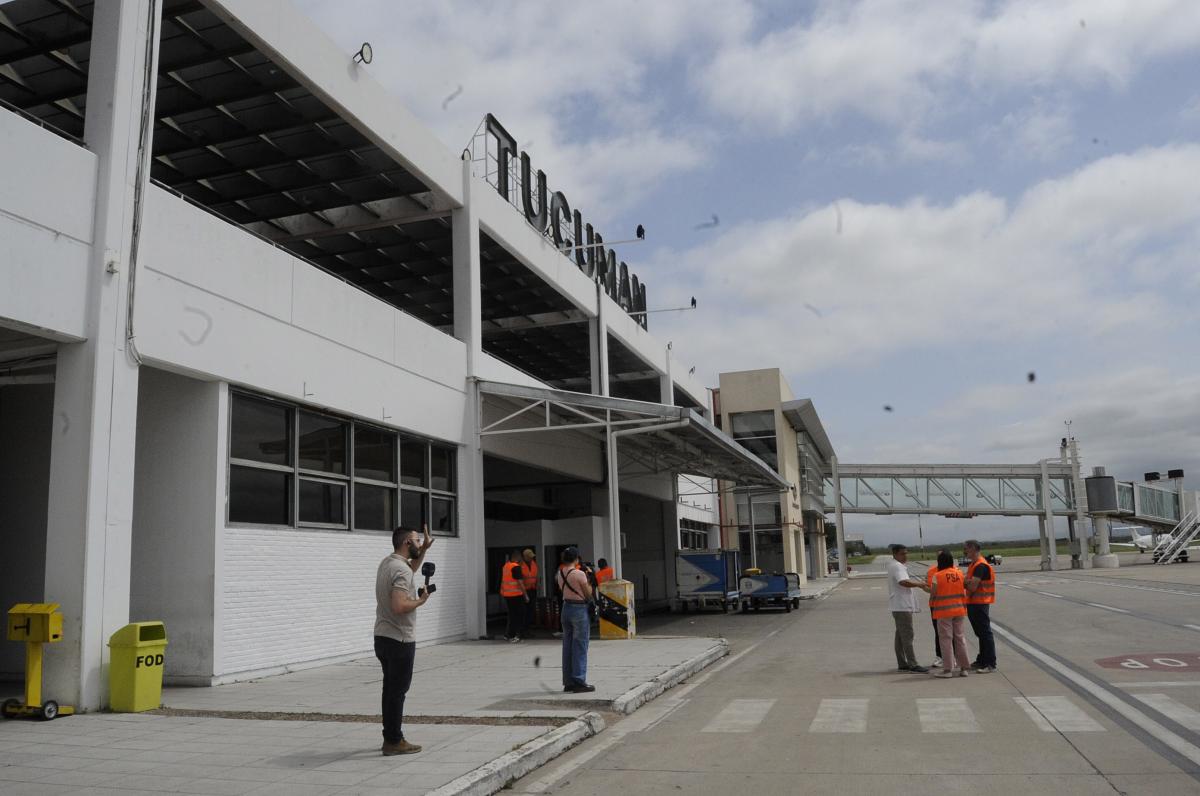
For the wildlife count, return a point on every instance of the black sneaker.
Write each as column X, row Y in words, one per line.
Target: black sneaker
column 919, row 669
column 582, row 689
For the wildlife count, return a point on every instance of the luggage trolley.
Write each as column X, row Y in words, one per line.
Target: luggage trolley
column 779, row 590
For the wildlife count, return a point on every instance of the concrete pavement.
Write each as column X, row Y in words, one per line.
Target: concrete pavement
column 484, row 712
column 818, row 706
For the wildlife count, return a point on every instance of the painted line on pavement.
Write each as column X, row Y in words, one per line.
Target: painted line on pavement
column 1137, row 614
column 1162, row 684
column 740, row 716
column 1108, row 608
column 1049, row 594
column 949, row 714
column 1175, row 711
column 840, row 715
column 1192, row 627
column 1058, row 713
column 1175, row 743
column 645, row 719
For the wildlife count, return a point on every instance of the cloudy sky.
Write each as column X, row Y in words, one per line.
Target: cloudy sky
column 919, row 202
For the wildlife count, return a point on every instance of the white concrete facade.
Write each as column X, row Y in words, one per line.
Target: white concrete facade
column 160, row 310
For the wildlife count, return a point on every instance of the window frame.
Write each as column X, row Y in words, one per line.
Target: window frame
column 348, row 480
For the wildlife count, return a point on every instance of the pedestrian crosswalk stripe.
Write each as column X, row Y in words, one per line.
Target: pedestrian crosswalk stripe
column 840, row 715
column 1051, row 713
column 740, row 715
column 946, row 715
column 1173, row 710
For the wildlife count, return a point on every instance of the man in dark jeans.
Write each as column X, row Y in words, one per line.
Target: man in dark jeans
column 981, row 594
column 395, row 630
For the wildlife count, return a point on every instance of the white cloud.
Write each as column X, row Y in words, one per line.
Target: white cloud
column 1058, row 263
column 1037, row 132
column 896, row 60
column 573, row 82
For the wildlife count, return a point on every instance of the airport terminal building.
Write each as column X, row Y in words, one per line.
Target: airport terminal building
column 253, row 315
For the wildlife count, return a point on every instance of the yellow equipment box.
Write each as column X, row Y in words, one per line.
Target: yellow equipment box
column 35, row 624
column 39, row 622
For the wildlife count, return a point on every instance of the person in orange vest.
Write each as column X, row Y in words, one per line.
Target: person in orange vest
column 605, row 572
column 948, row 604
column 529, row 580
column 513, row 592
column 981, row 593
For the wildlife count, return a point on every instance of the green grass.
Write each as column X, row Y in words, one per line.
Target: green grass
column 930, row 553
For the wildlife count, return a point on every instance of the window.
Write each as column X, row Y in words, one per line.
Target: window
column 293, row 467
column 260, row 455
column 755, row 431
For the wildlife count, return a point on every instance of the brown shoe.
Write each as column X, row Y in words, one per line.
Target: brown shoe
column 401, row 747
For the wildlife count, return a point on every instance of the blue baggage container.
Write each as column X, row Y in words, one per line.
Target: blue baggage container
column 707, row 578
column 778, row 590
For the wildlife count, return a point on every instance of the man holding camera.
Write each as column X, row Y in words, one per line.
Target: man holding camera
column 396, row 630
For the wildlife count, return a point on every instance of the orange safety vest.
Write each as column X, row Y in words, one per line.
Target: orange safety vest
column 608, row 573
column 929, row 573
column 529, row 574
column 986, row 593
column 509, row 585
column 949, row 598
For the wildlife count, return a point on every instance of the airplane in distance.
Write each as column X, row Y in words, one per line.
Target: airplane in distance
column 1144, row 544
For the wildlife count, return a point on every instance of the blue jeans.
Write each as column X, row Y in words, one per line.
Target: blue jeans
column 576, row 632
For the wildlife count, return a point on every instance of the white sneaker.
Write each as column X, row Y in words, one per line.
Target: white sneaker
column 943, row 674
column 936, row 662
column 962, row 672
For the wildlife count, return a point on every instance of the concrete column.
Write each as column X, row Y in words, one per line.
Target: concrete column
column 671, row 540
column 598, row 339
column 837, row 511
column 1046, row 525
column 89, row 521
column 468, row 327
column 1104, row 558
column 666, row 383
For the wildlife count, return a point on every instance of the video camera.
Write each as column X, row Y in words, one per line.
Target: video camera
column 427, row 569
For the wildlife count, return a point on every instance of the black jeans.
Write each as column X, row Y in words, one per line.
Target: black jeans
column 981, row 623
column 937, row 641
column 531, row 609
column 397, row 658
column 516, row 616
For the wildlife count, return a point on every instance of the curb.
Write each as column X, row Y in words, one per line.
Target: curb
column 492, row 777
column 639, row 695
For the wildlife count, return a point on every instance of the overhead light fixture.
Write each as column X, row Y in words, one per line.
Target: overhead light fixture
column 364, row 54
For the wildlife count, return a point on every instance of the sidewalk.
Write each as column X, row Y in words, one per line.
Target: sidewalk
column 484, row 712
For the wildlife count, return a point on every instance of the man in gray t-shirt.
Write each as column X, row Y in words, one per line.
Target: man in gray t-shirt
column 395, row 630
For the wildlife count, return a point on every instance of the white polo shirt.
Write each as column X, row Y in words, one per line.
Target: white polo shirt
column 900, row 598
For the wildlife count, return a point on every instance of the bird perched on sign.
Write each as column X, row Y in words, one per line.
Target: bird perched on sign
column 693, row 302
column 692, row 370
column 641, row 232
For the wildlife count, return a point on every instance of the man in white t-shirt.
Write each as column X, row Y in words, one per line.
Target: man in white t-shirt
column 902, row 601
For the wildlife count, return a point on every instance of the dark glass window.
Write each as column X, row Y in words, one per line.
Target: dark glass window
column 322, row 444
column 260, row 431
column 322, row 502
column 374, row 507
column 441, row 468
column 412, row 509
column 261, row 497
column 374, row 454
column 755, row 431
column 442, row 515
column 412, row 462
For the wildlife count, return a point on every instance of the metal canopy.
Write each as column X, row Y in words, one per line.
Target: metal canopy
column 802, row 416
column 655, row 437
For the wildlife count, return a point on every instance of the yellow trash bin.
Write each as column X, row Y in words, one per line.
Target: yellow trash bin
column 617, row 616
column 135, row 667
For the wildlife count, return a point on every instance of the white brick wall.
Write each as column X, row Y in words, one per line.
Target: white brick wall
column 297, row 596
